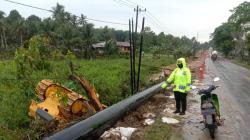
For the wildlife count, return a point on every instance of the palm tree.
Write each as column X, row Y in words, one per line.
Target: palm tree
column 82, row 20
column 2, row 30
column 88, row 36
column 59, row 13
column 1, row 35
column 73, row 20
column 20, row 29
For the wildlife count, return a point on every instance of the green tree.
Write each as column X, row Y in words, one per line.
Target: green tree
column 20, row 29
column 59, row 13
column 82, row 20
column 33, row 25
column 88, row 38
column 13, row 21
column 240, row 14
column 248, row 47
column 65, row 33
column 223, row 38
column 2, row 27
column 111, row 48
column 241, row 18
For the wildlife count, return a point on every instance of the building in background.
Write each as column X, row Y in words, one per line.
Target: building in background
column 123, row 47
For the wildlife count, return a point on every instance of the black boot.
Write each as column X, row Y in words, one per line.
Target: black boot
column 182, row 113
column 176, row 111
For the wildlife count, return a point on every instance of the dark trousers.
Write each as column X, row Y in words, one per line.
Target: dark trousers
column 180, row 101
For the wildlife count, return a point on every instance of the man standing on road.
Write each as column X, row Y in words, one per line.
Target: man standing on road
column 181, row 78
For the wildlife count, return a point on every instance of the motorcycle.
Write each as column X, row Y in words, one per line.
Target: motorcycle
column 214, row 55
column 210, row 107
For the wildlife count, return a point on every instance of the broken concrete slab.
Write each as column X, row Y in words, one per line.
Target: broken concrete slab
column 149, row 121
column 169, row 120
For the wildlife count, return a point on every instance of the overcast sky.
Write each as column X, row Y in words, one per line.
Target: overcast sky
column 177, row 17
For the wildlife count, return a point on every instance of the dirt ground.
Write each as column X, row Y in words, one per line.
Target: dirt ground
column 153, row 108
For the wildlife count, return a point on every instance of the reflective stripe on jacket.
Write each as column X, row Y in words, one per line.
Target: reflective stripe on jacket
column 181, row 78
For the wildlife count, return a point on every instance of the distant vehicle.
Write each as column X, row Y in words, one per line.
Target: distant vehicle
column 214, row 55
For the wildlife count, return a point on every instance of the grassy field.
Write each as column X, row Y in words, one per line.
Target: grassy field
column 109, row 76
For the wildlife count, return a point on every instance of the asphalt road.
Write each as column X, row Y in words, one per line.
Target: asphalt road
column 234, row 96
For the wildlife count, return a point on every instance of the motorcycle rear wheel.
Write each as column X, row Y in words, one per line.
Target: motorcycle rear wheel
column 212, row 131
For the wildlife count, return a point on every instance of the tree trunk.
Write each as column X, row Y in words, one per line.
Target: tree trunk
column 92, row 52
column 5, row 41
column 241, row 45
column 82, row 51
column 2, row 43
column 89, row 52
column 90, row 90
column 21, row 38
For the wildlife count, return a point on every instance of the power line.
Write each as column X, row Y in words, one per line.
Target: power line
column 155, row 21
column 128, row 4
column 134, row 5
column 29, row 6
column 154, row 25
column 154, row 17
column 111, row 22
column 124, row 4
column 131, row 2
column 43, row 9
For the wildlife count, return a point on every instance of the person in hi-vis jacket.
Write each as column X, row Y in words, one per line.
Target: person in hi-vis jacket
column 181, row 78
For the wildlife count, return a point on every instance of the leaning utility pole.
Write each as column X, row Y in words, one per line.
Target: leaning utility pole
column 140, row 54
column 134, row 40
column 131, row 59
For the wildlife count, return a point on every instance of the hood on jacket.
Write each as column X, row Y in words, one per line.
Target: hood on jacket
column 183, row 61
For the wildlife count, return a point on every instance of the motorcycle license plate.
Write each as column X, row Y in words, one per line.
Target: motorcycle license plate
column 208, row 111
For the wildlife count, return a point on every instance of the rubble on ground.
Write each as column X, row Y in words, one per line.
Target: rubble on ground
column 149, row 121
column 124, row 133
column 169, row 120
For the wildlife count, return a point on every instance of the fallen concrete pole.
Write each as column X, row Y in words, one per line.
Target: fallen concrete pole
column 93, row 127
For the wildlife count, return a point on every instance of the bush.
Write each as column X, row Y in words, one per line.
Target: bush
column 110, row 47
column 70, row 56
column 42, row 44
column 57, row 55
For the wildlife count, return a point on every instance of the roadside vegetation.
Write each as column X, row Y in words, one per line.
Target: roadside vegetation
column 233, row 37
column 243, row 64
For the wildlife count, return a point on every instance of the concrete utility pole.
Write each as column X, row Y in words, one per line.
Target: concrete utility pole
column 134, row 39
column 137, row 10
column 140, row 53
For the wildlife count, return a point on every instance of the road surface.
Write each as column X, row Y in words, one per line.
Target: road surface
column 234, row 96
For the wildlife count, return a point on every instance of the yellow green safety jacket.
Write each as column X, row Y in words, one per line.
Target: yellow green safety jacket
column 180, row 77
